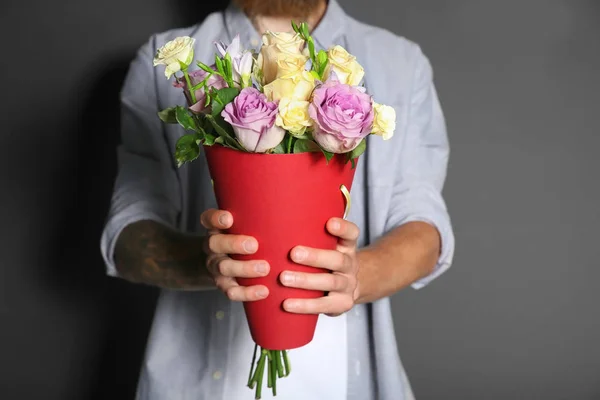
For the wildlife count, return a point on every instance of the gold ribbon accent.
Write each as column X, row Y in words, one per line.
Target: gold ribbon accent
column 212, row 183
column 346, row 194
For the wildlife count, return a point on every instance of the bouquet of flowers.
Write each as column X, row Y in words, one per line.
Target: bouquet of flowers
column 282, row 129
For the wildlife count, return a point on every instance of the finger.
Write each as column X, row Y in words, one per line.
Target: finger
column 332, row 260
column 232, row 244
column 334, row 304
column 346, row 231
column 216, row 219
column 242, row 269
column 235, row 292
column 312, row 281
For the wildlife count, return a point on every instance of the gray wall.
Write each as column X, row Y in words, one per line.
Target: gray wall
column 515, row 318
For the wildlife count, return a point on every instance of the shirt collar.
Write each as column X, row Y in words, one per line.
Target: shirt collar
column 326, row 34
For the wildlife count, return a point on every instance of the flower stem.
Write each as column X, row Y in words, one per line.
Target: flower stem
column 250, row 381
column 189, row 85
column 286, row 362
column 273, row 361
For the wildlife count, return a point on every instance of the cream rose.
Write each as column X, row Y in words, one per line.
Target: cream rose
column 347, row 69
column 384, row 123
column 293, row 115
column 298, row 86
column 280, row 51
column 180, row 49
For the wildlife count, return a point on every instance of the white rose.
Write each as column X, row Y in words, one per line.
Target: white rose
column 384, row 122
column 347, row 69
column 180, row 49
column 293, row 115
column 281, row 54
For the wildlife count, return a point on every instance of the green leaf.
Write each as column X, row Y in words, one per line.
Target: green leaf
column 168, row 115
column 311, row 50
column 209, row 139
column 183, row 65
column 322, row 57
column 306, row 146
column 295, row 27
column 186, row 149
column 205, row 68
column 315, row 74
column 328, row 155
column 300, row 135
column 362, row 146
column 279, row 149
column 219, row 64
column 228, row 139
column 305, row 31
column 221, row 98
column 185, row 119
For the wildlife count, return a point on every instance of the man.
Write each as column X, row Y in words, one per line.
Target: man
column 163, row 229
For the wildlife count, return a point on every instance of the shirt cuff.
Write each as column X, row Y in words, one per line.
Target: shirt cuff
column 444, row 227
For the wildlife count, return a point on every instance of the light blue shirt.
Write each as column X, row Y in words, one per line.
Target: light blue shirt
column 199, row 346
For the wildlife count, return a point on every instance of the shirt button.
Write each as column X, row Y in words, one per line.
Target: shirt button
column 220, row 315
column 217, row 375
column 357, row 368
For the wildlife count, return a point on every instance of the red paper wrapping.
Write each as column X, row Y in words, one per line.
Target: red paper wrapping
column 283, row 200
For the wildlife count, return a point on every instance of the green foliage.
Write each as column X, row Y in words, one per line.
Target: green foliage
column 185, row 119
column 168, row 115
column 187, row 149
column 222, row 97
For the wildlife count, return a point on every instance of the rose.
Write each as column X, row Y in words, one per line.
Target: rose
column 293, row 115
column 215, row 81
column 384, row 122
column 342, row 115
column 252, row 117
column 280, row 51
column 241, row 61
column 347, row 69
column 174, row 53
column 297, row 86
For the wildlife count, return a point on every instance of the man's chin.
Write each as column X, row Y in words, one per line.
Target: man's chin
column 280, row 8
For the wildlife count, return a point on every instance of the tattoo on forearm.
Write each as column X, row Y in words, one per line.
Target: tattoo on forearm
column 150, row 253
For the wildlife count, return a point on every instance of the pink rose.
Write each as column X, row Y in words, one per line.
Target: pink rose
column 252, row 117
column 196, row 77
column 342, row 114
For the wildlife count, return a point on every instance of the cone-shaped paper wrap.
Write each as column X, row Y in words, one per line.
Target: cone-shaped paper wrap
column 283, row 200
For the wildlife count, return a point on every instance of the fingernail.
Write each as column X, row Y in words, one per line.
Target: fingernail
column 291, row 305
column 223, row 219
column 261, row 293
column 260, row 268
column 287, row 277
column 335, row 225
column 250, row 246
column 300, row 254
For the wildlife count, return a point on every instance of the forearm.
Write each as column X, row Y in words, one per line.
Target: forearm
column 150, row 253
column 401, row 257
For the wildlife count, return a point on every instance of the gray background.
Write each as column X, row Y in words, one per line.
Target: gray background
column 515, row 318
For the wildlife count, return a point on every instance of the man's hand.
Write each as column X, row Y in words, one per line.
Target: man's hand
column 223, row 269
column 341, row 282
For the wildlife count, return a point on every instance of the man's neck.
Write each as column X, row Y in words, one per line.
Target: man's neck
column 282, row 24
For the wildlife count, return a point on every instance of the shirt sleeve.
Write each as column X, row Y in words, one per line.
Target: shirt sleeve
column 146, row 186
column 417, row 192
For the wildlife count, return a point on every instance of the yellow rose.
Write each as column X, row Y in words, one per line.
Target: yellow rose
column 290, row 64
column 280, row 50
column 293, row 115
column 347, row 69
column 298, row 86
column 180, row 49
column 384, row 122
